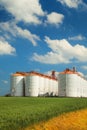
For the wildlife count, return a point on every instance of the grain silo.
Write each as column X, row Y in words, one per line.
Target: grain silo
column 62, row 84
column 31, row 84
column 41, row 85
column 72, row 84
column 46, row 86
column 50, row 87
column 84, row 88
column 53, row 84
column 17, row 84
column 55, row 87
column 37, row 84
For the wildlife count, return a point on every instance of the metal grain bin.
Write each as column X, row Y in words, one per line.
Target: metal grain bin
column 31, row 85
column 46, row 86
column 17, row 85
column 62, row 85
column 72, row 84
column 41, row 86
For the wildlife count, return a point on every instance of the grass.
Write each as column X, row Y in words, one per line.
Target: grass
column 19, row 112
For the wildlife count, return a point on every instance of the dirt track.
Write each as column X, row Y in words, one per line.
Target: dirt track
column 70, row 121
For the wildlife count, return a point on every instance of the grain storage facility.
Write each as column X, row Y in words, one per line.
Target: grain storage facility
column 33, row 84
column 17, row 84
column 37, row 84
column 69, row 84
column 72, row 84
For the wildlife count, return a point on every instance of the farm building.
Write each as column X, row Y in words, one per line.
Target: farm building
column 72, row 84
column 69, row 84
column 18, row 84
column 33, row 84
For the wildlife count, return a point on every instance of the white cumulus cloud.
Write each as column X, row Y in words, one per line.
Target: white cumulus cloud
column 28, row 11
column 16, row 31
column 55, row 18
column 6, row 48
column 62, row 52
column 78, row 37
column 5, row 81
column 84, row 67
column 72, row 3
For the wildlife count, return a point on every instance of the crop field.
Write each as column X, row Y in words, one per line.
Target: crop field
column 17, row 113
column 76, row 120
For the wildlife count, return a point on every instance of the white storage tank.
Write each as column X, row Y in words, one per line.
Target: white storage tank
column 55, row 87
column 83, row 88
column 31, row 85
column 50, row 87
column 62, row 84
column 17, row 84
column 41, row 86
column 72, row 84
column 46, row 86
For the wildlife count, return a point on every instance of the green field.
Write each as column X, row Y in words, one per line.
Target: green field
column 19, row 112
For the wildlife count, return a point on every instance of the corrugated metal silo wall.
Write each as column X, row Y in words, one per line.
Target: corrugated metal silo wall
column 76, row 86
column 17, row 85
column 50, row 87
column 62, row 85
column 53, row 88
column 46, row 86
column 41, row 86
column 56, row 87
column 83, row 87
column 31, row 85
column 72, row 85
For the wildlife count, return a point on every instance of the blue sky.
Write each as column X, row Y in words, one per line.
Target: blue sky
column 42, row 35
